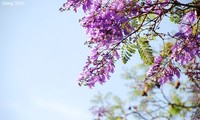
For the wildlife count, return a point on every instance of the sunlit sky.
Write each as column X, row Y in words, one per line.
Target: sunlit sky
column 42, row 53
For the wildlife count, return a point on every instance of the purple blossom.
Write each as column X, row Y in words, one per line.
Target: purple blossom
column 185, row 29
column 97, row 68
column 87, row 5
column 187, row 46
column 151, row 71
column 154, row 68
column 99, row 111
column 94, row 54
column 186, row 23
column 186, row 49
column 189, row 18
column 75, row 4
column 104, row 29
column 72, row 3
column 177, row 72
column 168, row 74
column 158, row 59
column 158, row 9
column 116, row 54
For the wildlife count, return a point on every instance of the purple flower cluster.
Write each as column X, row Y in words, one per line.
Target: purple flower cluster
column 149, row 6
column 86, row 4
column 187, row 46
column 104, row 25
column 106, row 28
column 165, row 72
column 97, row 68
column 155, row 67
column 183, row 51
column 168, row 73
column 186, row 24
column 101, row 111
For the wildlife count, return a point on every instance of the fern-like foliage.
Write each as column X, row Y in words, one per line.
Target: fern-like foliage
column 127, row 50
column 145, row 51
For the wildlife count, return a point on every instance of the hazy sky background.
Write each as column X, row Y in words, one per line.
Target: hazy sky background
column 41, row 55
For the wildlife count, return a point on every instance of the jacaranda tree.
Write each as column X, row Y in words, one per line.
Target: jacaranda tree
column 120, row 28
column 176, row 100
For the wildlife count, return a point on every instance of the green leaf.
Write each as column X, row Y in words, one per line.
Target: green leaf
column 176, row 14
column 115, row 107
column 167, row 49
column 145, row 51
column 173, row 110
column 177, row 100
column 137, row 92
column 140, row 19
column 152, row 16
column 118, row 118
column 127, row 50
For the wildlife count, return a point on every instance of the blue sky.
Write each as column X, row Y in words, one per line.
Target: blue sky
column 42, row 53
